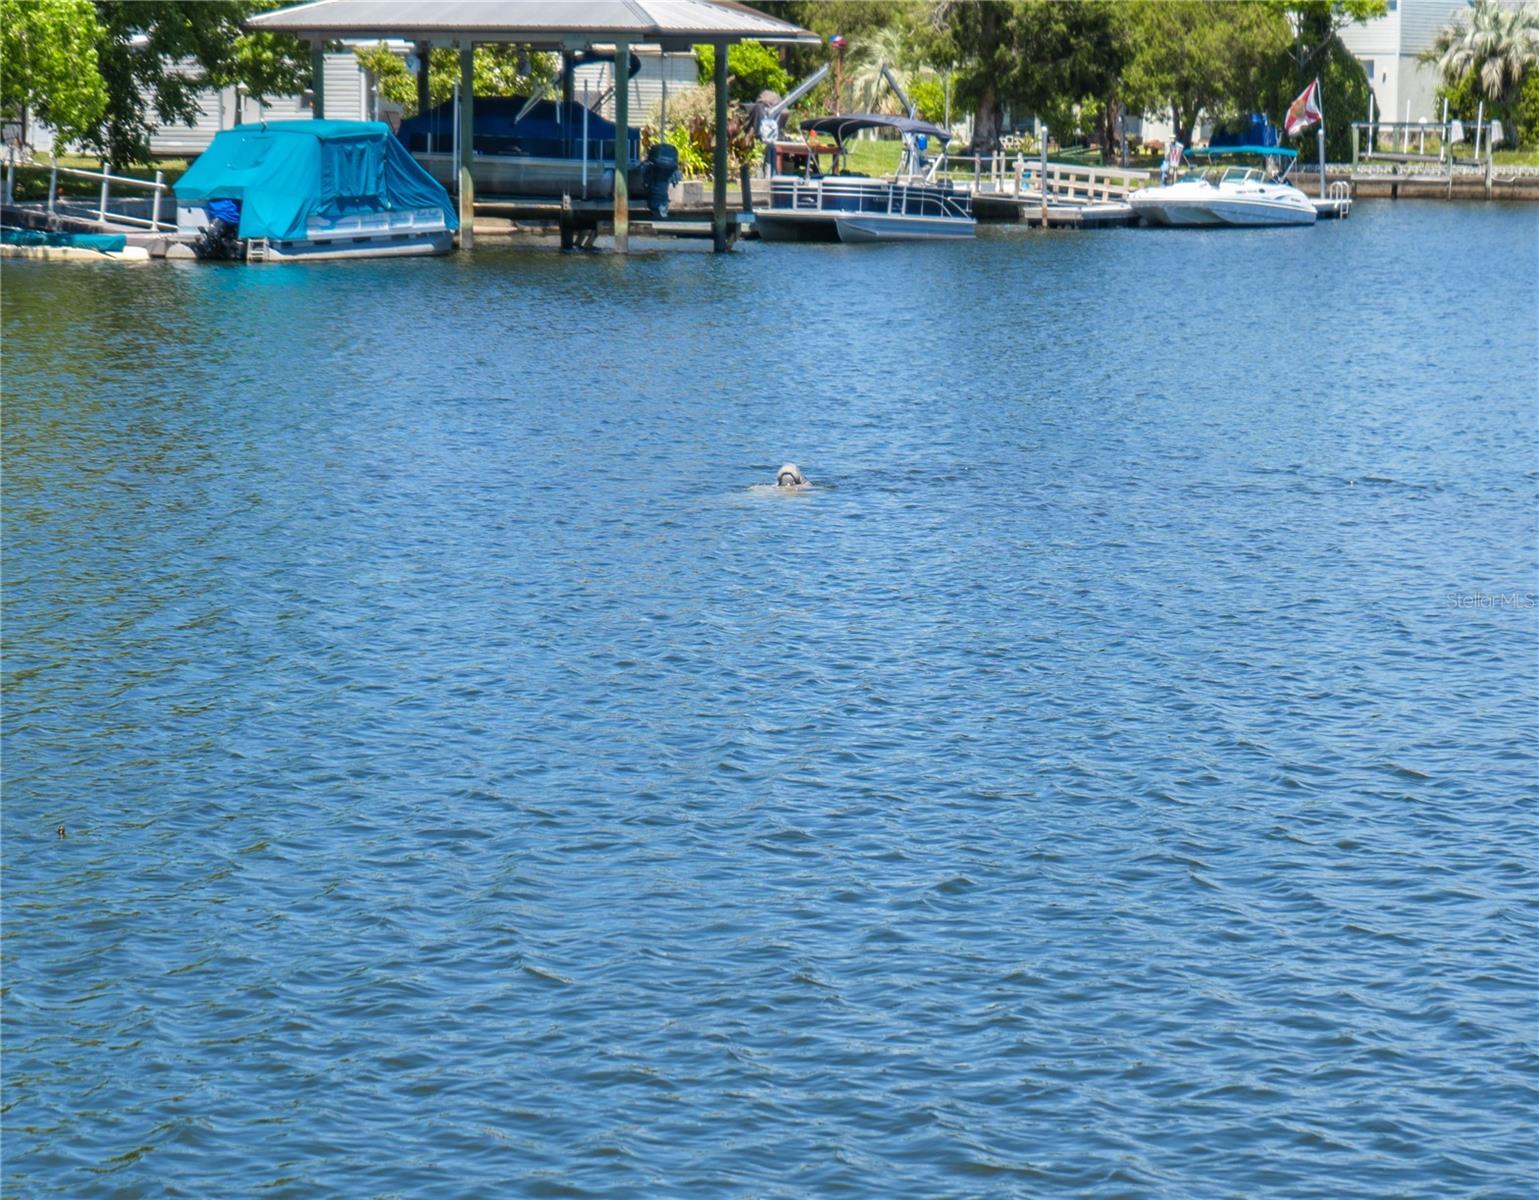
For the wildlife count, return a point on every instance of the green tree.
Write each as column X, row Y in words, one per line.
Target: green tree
column 1194, row 57
column 1317, row 52
column 1494, row 45
column 1525, row 112
column 1029, row 55
column 502, row 69
column 859, row 22
column 48, row 66
column 155, row 56
column 1520, row 122
column 928, row 92
column 751, row 68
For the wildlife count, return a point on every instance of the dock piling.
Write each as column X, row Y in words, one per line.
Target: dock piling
column 467, row 128
column 1042, row 175
column 622, row 208
column 719, row 173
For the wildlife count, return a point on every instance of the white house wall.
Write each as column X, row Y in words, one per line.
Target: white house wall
column 1420, row 21
column 1388, row 46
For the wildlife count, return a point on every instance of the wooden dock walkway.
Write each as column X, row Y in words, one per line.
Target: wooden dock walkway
column 1051, row 195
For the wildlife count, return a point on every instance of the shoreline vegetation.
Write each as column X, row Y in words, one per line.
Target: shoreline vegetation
column 99, row 73
column 870, row 157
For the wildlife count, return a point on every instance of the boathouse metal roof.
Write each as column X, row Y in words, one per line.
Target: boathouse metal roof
column 542, row 23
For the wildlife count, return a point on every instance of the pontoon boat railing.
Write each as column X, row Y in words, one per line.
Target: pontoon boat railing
column 910, row 198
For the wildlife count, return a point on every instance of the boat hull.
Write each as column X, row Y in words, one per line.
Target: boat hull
column 843, row 208
column 379, row 246
column 1203, row 205
column 872, row 227
column 520, row 175
column 824, row 226
column 775, row 226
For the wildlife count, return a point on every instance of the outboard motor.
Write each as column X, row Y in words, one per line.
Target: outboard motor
column 220, row 238
column 658, row 173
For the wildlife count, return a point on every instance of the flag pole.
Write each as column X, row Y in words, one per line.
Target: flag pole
column 1320, row 136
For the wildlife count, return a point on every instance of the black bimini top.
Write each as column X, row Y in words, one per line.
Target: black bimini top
column 841, row 127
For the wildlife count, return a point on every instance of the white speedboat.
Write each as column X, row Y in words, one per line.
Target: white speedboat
column 915, row 204
column 1234, row 195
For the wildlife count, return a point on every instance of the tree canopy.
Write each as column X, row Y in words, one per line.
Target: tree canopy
column 1201, row 56
column 1492, row 45
column 155, row 56
column 751, row 69
column 48, row 65
column 1024, row 54
column 499, row 70
column 104, row 74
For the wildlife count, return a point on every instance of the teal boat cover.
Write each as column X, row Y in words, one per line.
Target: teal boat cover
column 285, row 172
column 107, row 243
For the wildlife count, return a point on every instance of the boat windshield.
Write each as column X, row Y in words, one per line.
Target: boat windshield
column 1216, row 174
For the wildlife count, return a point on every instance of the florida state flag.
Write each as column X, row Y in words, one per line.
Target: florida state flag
column 1304, row 111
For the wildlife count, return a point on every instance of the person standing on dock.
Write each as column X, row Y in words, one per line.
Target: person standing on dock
column 767, row 125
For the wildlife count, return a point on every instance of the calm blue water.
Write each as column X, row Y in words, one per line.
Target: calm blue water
column 1116, row 779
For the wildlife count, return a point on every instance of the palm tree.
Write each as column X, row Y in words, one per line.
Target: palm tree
column 881, row 47
column 1497, row 44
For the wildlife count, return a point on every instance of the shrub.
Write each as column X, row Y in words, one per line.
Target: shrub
column 1520, row 120
column 929, row 97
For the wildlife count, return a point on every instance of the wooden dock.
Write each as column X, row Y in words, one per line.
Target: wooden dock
column 1047, row 195
column 1056, row 214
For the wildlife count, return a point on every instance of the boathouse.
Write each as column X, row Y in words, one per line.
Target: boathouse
column 567, row 27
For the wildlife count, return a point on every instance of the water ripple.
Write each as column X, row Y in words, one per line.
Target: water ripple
column 1114, row 779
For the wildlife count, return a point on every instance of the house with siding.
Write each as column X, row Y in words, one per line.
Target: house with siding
column 349, row 97
column 1404, row 89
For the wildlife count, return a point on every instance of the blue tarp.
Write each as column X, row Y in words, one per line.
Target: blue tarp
column 105, row 242
column 285, row 172
column 1235, row 151
column 548, row 130
column 1256, row 131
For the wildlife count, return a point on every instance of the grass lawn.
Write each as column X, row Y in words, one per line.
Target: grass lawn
column 878, row 156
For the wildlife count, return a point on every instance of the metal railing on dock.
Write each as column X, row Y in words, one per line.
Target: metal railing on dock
column 1017, row 177
column 102, row 213
column 1425, row 152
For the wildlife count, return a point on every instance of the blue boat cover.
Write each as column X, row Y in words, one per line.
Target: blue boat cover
column 106, row 242
column 547, row 131
column 1225, row 151
column 1255, row 131
column 285, row 172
